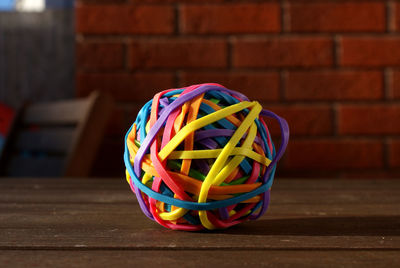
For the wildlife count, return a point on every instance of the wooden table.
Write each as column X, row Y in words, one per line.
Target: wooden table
column 97, row 222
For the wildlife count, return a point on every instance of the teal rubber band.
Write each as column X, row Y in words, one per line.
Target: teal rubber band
column 186, row 204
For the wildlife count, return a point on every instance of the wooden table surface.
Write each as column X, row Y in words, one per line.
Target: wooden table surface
column 98, row 223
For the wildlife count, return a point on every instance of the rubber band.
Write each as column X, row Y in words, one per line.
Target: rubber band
column 201, row 157
column 205, row 154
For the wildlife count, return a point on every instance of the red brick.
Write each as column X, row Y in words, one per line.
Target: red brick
column 394, row 153
column 176, row 1
column 332, row 155
column 371, row 174
column 131, row 114
column 125, row 87
column 375, row 119
column 337, row 17
column 397, row 16
column 115, row 125
column 124, row 19
column 231, row 18
column 122, row 118
column 100, row 56
column 178, row 53
column 303, row 120
column 334, row 85
column 309, row 174
column 80, row 2
column 283, row 52
column 255, row 85
column 370, row 51
column 108, row 161
column 396, row 84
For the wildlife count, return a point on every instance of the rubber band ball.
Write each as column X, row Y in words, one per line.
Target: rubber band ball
column 201, row 157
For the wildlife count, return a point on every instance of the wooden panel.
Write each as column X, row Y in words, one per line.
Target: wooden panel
column 60, row 112
column 79, row 127
column 196, row 258
column 45, row 166
column 97, row 222
column 285, row 191
column 112, row 192
column 64, row 183
column 46, row 140
column 280, row 184
column 274, row 222
column 84, row 214
column 112, row 226
column 89, row 135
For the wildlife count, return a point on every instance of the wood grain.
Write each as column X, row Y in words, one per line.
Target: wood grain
column 60, row 112
column 200, row 258
column 98, row 221
column 58, row 138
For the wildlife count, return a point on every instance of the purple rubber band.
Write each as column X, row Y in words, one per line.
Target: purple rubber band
column 164, row 116
column 285, row 139
column 208, row 143
column 202, row 165
column 204, row 138
column 223, row 212
column 203, row 134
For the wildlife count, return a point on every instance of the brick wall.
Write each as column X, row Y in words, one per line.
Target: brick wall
column 331, row 68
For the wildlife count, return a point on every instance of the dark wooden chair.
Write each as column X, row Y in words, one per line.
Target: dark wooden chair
column 56, row 139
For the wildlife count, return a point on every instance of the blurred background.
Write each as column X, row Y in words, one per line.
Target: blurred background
column 331, row 68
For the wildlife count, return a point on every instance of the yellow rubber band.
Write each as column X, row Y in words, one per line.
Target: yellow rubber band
column 232, row 164
column 199, row 123
column 219, row 171
column 205, row 154
column 222, row 158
